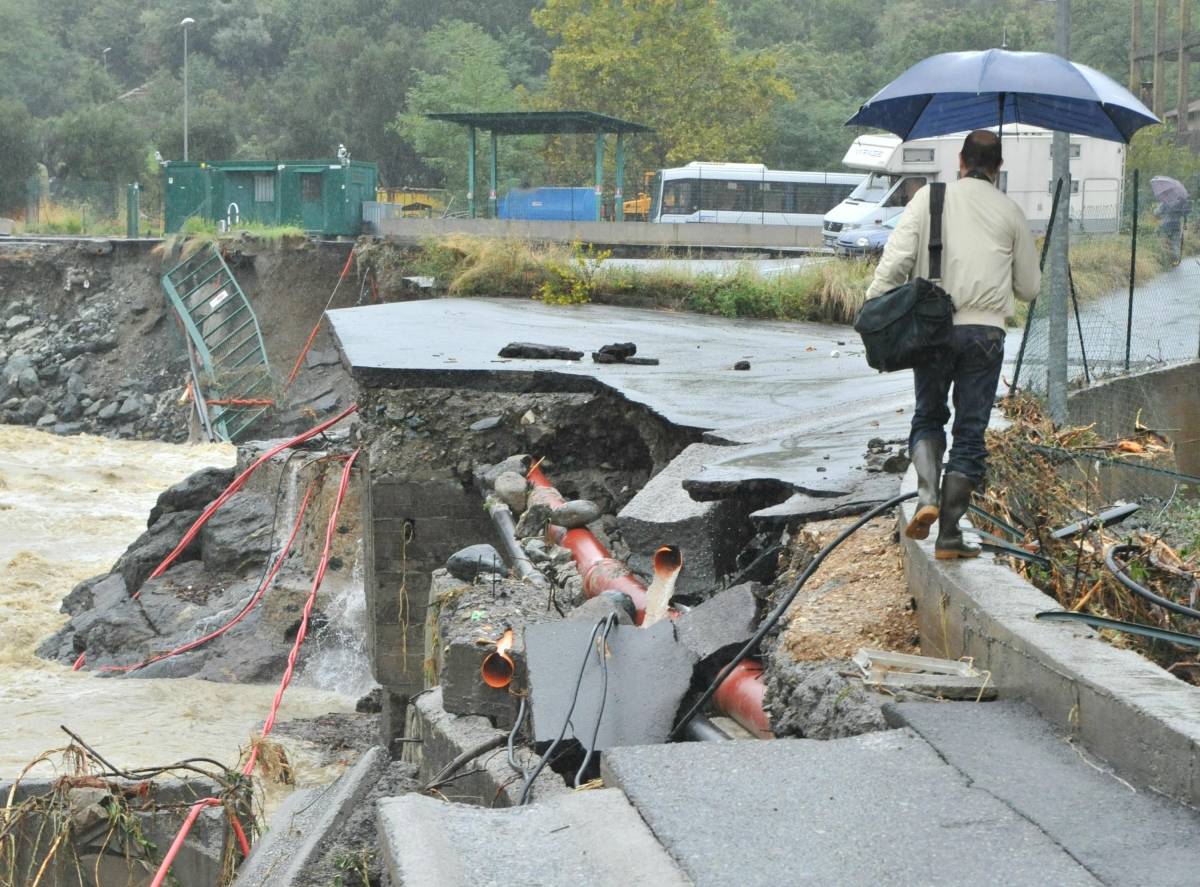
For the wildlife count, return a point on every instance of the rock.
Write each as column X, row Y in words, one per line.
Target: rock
column 101, row 345
column 487, row 474
column 28, row 382
column 67, row 428
column 605, row 604
column 742, row 365
column 108, row 412
column 576, row 513
column 601, row 357
column 534, row 351
column 813, row 700
column 573, row 591
column 474, row 560
column 533, row 521
column 486, row 424
column 133, row 407
column 17, row 322
column 238, row 536
column 317, row 358
column 148, row 550
column 69, row 408
column 511, row 490
column 47, row 420
column 642, row 361
column 619, row 350
column 535, row 550
column 194, row 492
column 32, row 409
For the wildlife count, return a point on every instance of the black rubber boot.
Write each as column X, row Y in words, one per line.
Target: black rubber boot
column 927, row 459
column 956, row 496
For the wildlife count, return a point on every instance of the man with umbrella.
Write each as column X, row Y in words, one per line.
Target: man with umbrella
column 1172, row 209
column 988, row 258
column 956, row 92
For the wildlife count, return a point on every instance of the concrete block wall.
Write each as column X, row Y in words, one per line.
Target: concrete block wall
column 411, row 526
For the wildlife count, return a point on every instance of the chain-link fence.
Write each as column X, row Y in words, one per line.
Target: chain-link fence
column 77, row 206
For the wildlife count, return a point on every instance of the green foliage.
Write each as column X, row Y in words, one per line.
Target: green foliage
column 101, row 144
column 670, row 64
column 18, row 152
column 572, row 280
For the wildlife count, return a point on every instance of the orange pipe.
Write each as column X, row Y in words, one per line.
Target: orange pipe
column 740, row 695
column 600, row 570
column 497, row 667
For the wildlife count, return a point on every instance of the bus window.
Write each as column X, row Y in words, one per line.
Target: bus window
column 679, row 197
column 772, row 197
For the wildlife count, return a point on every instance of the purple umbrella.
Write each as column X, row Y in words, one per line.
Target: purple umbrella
column 1169, row 191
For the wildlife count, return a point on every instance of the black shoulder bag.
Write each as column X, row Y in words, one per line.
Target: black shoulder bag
column 908, row 326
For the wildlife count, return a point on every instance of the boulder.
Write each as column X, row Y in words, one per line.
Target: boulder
column 475, row 560
column 149, row 549
column 574, row 514
column 511, row 489
column 195, row 491
column 238, row 535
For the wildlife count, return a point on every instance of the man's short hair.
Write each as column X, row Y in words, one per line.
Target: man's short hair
column 981, row 150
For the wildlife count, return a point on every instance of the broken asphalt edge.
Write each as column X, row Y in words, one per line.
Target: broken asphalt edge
column 1124, row 709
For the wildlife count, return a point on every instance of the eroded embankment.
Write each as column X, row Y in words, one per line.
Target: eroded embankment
column 88, row 342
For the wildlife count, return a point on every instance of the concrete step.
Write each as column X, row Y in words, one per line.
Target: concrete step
column 590, row 837
column 1121, row 834
column 882, row 808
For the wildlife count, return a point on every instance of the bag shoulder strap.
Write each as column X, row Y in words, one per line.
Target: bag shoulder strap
column 937, row 199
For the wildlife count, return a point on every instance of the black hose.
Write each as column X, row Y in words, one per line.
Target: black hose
column 1110, row 561
column 541, row 765
column 609, row 622
column 512, row 736
column 775, row 615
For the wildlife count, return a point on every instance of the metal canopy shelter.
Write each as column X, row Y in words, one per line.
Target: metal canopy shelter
column 514, row 123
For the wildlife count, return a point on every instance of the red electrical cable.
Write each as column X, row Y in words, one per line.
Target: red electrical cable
column 238, row 483
column 269, row 723
column 79, row 662
column 250, row 605
column 312, row 337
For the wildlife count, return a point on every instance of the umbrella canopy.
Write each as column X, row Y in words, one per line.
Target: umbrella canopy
column 1169, row 191
column 960, row 91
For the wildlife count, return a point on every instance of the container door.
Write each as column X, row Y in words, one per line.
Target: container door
column 312, row 206
column 239, row 189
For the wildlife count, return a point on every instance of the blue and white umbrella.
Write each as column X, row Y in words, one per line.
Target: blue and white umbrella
column 960, row 91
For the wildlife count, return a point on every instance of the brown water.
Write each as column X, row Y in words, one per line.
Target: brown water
column 68, row 507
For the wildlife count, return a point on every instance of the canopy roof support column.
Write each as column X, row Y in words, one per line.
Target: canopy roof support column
column 471, row 171
column 619, row 202
column 492, row 177
column 599, row 172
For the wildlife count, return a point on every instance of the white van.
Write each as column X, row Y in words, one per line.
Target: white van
column 896, row 170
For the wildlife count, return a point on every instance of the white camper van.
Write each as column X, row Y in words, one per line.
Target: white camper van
column 897, row 170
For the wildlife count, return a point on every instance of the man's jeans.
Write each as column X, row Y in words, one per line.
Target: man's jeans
column 972, row 365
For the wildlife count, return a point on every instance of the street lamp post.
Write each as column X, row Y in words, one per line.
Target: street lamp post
column 104, row 55
column 184, row 24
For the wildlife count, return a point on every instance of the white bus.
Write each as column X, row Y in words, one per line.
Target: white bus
column 747, row 193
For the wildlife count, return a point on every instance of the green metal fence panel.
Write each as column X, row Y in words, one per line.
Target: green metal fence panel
column 231, row 373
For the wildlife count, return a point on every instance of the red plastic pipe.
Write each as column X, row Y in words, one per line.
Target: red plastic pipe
column 740, row 695
column 600, row 570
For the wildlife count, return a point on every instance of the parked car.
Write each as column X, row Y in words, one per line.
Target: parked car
column 866, row 241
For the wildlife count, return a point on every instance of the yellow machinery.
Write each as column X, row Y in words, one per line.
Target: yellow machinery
column 638, row 209
column 415, row 202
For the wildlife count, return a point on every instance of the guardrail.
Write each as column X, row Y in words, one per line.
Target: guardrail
column 384, row 219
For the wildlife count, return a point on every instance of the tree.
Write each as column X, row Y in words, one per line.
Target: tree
column 464, row 70
column 18, row 152
column 101, row 144
column 670, row 64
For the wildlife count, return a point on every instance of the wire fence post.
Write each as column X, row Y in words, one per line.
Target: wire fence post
column 1132, row 272
column 1033, row 305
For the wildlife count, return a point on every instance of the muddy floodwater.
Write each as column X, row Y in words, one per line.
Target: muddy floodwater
column 68, row 508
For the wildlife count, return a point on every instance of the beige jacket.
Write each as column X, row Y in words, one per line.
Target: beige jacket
column 988, row 254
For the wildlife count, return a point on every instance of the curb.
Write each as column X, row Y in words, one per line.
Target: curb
column 1123, row 708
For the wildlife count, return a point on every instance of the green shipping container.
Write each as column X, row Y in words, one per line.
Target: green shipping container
column 322, row 197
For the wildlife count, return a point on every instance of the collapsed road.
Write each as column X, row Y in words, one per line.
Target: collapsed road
column 502, row 625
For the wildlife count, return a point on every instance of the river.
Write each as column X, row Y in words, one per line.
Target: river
column 68, row 508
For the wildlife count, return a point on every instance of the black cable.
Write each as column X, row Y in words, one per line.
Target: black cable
column 512, row 737
column 1110, row 561
column 609, row 622
column 775, row 615
column 541, row 765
